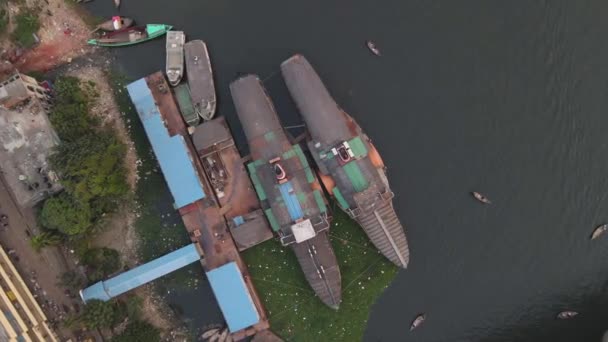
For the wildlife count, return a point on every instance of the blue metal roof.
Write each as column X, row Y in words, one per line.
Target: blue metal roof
column 105, row 290
column 233, row 297
column 171, row 152
column 291, row 201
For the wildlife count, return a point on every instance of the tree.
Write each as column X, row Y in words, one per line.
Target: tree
column 101, row 262
column 98, row 314
column 92, row 169
column 45, row 239
column 72, row 280
column 138, row 331
column 65, row 214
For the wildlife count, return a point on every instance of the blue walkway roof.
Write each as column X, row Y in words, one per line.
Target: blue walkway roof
column 171, row 152
column 233, row 297
column 105, row 290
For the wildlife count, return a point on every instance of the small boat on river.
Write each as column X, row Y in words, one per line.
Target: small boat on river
column 117, row 3
column 601, row 229
column 115, row 24
column 481, row 198
column 418, row 321
column 567, row 314
column 131, row 36
column 175, row 56
column 200, row 78
column 373, row 48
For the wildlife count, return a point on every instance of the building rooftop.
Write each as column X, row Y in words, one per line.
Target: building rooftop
column 26, row 140
column 233, row 297
column 171, row 151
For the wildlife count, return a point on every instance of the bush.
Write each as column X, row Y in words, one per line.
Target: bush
column 45, row 239
column 101, row 262
column 138, row 331
column 65, row 214
column 99, row 314
column 92, row 169
column 72, row 280
column 27, row 25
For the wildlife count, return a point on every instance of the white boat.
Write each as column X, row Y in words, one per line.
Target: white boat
column 567, row 314
column 175, row 56
column 599, row 230
column 481, row 198
column 418, row 321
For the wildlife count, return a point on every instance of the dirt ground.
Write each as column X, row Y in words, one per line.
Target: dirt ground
column 63, row 50
column 63, row 36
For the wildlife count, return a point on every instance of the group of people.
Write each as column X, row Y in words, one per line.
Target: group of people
column 4, row 221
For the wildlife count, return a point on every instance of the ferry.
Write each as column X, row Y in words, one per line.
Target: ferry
column 200, row 78
column 349, row 165
column 290, row 193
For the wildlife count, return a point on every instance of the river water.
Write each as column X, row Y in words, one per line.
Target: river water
column 507, row 98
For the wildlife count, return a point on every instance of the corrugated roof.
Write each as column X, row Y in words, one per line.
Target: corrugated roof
column 233, row 297
column 105, row 290
column 171, row 152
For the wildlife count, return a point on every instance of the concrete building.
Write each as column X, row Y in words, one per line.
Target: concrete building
column 26, row 139
column 21, row 318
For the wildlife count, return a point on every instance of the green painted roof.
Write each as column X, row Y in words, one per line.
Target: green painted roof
column 272, row 219
column 355, row 176
column 256, row 181
column 320, row 201
column 357, row 147
column 341, row 201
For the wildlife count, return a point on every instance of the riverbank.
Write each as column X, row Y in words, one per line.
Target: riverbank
column 61, row 51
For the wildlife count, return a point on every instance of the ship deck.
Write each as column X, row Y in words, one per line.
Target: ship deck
column 204, row 219
column 231, row 184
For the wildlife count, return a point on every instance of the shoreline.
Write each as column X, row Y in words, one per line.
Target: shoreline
column 62, row 51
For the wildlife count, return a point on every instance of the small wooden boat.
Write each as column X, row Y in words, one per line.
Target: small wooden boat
column 567, row 314
column 117, row 3
column 599, row 231
column 418, row 321
column 372, row 47
column 481, row 198
column 131, row 36
column 200, row 78
column 115, row 24
column 175, row 56
column 207, row 334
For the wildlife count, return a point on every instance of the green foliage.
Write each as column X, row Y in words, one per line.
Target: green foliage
column 138, row 331
column 92, row 169
column 99, row 314
column 89, row 161
column 72, row 280
column 133, row 307
column 27, row 25
column 70, row 115
column 294, row 311
column 45, row 239
column 66, row 215
column 101, row 262
column 3, row 18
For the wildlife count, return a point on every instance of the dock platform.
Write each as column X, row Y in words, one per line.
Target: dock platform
column 231, row 185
